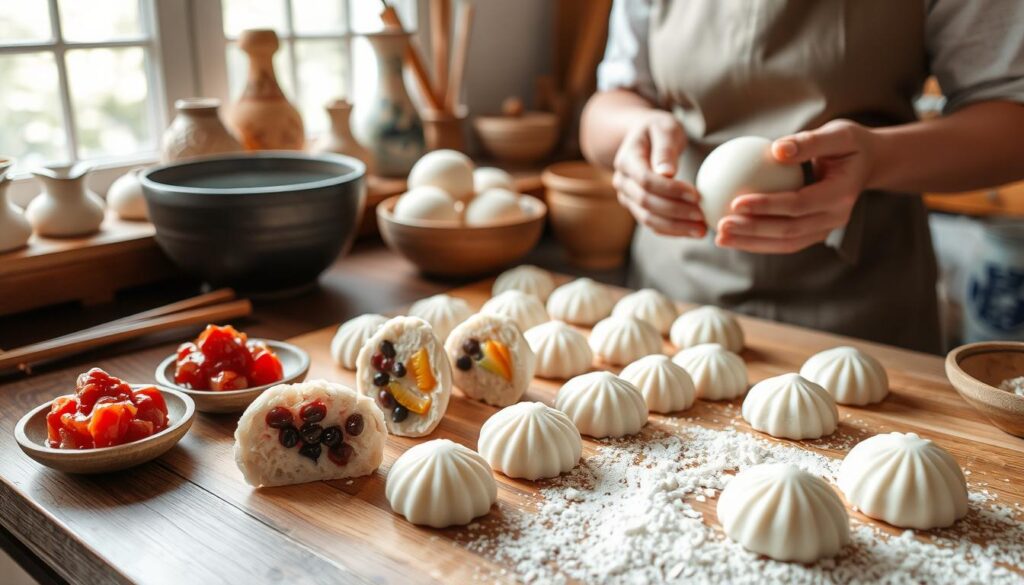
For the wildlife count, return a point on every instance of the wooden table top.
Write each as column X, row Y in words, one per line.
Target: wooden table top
column 189, row 517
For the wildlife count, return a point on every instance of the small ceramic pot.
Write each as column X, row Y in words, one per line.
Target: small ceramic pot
column 125, row 197
column 443, row 131
column 197, row 131
column 263, row 118
column 14, row 228
column 339, row 139
column 586, row 215
column 65, row 208
column 521, row 139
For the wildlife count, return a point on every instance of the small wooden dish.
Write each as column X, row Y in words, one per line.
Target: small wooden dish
column 976, row 370
column 456, row 250
column 30, row 433
column 294, row 362
column 520, row 139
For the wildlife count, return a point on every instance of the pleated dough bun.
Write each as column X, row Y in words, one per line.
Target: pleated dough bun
column 525, row 310
column 351, row 336
column 707, row 324
column 648, row 305
column 665, row 385
column 443, row 312
column 440, row 483
column 850, row 375
column 491, row 360
column 526, row 278
column 580, row 302
column 531, row 441
column 562, row 352
column 354, row 420
column 602, row 404
column 791, row 407
column 620, row 340
column 718, row 374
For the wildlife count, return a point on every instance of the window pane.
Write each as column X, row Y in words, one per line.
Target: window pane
column 322, row 74
column 319, row 16
column 238, row 69
column 31, row 123
column 99, row 20
column 242, row 14
column 24, row 20
column 110, row 96
column 366, row 15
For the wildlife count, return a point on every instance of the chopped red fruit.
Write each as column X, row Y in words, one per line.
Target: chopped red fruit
column 223, row 358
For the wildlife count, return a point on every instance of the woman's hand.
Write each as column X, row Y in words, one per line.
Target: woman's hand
column 842, row 153
column 645, row 167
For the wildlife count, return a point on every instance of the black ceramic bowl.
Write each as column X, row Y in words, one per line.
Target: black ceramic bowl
column 259, row 222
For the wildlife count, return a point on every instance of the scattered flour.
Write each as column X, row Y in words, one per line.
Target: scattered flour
column 1015, row 385
column 626, row 515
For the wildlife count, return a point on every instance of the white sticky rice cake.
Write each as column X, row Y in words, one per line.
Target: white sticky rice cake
column 491, row 359
column 411, row 381
column 272, row 449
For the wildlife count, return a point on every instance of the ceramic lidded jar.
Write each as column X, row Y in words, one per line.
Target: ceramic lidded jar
column 339, row 139
column 66, row 207
column 14, row 228
column 197, row 131
column 125, row 197
column 262, row 118
column 387, row 123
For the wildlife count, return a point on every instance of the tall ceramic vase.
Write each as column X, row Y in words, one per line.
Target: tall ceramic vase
column 65, row 208
column 387, row 123
column 197, row 131
column 339, row 139
column 14, row 228
column 262, row 118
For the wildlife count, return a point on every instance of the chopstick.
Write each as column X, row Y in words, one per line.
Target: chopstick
column 440, row 20
column 23, row 357
column 412, row 57
column 460, row 51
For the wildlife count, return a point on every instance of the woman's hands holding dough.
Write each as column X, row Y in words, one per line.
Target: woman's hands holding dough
column 842, row 153
column 645, row 167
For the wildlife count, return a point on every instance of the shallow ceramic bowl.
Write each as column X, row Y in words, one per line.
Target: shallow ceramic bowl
column 518, row 139
column 294, row 362
column 265, row 221
column 30, row 433
column 976, row 371
column 453, row 250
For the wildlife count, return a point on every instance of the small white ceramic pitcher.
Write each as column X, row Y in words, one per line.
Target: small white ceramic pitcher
column 14, row 228
column 66, row 207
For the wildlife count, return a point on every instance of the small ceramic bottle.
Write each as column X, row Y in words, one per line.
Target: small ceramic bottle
column 14, row 228
column 197, row 131
column 339, row 139
column 125, row 197
column 65, row 208
column 262, row 118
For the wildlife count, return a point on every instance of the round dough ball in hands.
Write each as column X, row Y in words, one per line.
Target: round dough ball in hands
column 602, row 404
column 718, row 374
column 525, row 310
column 404, row 368
column 426, row 204
column 309, row 431
column 665, row 385
column 648, row 305
column 440, row 483
column 707, row 324
column 531, row 441
column 780, row 511
column 740, row 166
column 443, row 312
column 562, row 352
column 904, row 480
column 580, row 302
column 621, row 340
column 791, row 407
column 448, row 170
column 850, row 375
column 526, row 278
column 351, row 336
column 486, row 178
column 492, row 361
column 493, row 207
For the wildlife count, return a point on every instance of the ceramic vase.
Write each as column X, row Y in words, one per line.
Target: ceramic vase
column 125, row 197
column 387, row 123
column 339, row 138
column 14, row 228
column 197, row 131
column 262, row 118
column 994, row 299
column 66, row 207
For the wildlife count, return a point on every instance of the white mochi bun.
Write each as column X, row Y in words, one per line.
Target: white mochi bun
column 426, row 204
column 486, row 178
column 602, row 404
column 580, row 302
column 443, row 312
column 562, row 352
column 531, row 441
column 350, row 337
column 665, row 385
column 850, row 375
column 448, row 170
column 622, row 340
column 707, row 324
column 791, row 407
column 648, row 305
column 476, row 381
column 717, row 373
column 525, row 310
column 526, row 278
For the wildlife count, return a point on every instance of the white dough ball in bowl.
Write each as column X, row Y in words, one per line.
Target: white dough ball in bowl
column 448, row 170
column 740, row 166
column 492, row 207
column 487, row 178
column 426, row 204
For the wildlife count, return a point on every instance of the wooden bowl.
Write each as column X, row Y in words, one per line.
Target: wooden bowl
column 518, row 139
column 30, row 433
column 453, row 250
column 976, row 371
column 294, row 362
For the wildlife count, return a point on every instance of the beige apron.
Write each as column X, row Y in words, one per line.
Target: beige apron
column 730, row 68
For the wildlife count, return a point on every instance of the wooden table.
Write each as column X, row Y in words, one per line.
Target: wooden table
column 189, row 517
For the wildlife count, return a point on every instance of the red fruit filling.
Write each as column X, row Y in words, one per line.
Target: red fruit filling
column 222, row 358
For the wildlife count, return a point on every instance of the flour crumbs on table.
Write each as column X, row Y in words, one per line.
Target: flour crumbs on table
column 626, row 515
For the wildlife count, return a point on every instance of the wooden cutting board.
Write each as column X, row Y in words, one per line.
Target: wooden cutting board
column 921, row 401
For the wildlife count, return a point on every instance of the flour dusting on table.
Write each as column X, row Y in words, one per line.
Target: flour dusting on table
column 626, row 515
